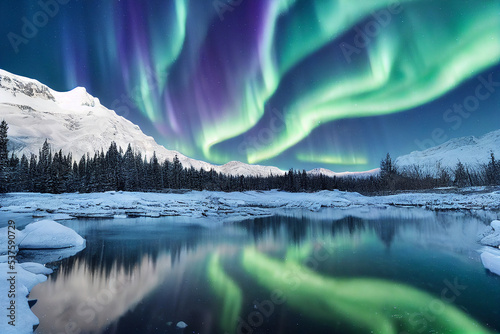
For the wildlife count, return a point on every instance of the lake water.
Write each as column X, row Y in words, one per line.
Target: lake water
column 392, row 271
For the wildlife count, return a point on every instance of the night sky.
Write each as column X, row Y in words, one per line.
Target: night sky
column 290, row 83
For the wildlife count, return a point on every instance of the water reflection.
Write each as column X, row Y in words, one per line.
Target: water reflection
column 356, row 305
column 94, row 299
column 137, row 276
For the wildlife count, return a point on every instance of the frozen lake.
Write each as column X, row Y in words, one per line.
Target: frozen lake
column 396, row 271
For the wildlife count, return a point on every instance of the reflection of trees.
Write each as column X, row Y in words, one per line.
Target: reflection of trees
column 91, row 300
column 104, row 251
column 385, row 229
column 351, row 225
column 295, row 229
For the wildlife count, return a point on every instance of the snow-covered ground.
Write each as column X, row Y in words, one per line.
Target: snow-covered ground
column 472, row 151
column 206, row 206
column 222, row 206
column 17, row 279
column 490, row 255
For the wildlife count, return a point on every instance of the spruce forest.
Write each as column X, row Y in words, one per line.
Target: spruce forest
column 115, row 169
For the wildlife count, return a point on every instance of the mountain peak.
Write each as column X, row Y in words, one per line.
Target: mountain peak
column 471, row 151
column 76, row 122
column 18, row 85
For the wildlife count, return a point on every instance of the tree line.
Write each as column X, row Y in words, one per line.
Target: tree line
column 115, row 169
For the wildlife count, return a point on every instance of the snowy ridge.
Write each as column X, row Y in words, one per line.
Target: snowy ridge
column 221, row 206
column 327, row 172
column 471, row 151
column 77, row 122
column 39, row 236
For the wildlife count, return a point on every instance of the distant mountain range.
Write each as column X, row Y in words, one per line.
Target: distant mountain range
column 77, row 122
column 471, row 151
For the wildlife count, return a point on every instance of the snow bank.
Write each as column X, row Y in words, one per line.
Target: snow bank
column 233, row 206
column 491, row 256
column 17, row 279
column 25, row 280
column 491, row 259
column 493, row 237
column 47, row 234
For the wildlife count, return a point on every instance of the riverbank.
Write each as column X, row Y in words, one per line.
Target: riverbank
column 223, row 206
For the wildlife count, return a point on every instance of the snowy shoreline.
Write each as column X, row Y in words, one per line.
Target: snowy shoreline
column 52, row 241
column 222, row 206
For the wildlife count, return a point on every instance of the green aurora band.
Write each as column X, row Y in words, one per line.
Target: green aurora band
column 228, row 291
column 358, row 305
column 207, row 86
column 404, row 66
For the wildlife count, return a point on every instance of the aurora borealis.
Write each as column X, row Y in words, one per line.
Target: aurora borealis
column 290, row 83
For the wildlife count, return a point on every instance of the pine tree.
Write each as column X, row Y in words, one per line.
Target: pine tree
column 43, row 179
column 460, row 175
column 33, row 168
column 155, row 173
column 113, row 162
column 13, row 173
column 492, row 171
column 23, row 172
column 82, row 175
column 129, row 170
column 4, row 156
column 167, row 174
column 387, row 167
column 388, row 173
column 176, row 173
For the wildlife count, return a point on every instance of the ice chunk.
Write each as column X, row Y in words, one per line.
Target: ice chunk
column 17, row 279
column 181, row 324
column 47, row 234
column 496, row 225
column 491, row 260
column 493, row 239
column 36, row 268
column 24, row 281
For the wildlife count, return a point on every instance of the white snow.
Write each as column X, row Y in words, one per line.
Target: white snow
column 76, row 122
column 492, row 237
column 496, row 225
column 327, row 172
column 181, row 324
column 47, row 234
column 471, row 151
column 24, row 276
column 25, row 280
column 491, row 259
column 220, row 206
column 490, row 256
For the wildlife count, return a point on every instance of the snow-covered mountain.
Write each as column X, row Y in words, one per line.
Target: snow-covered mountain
column 327, row 172
column 77, row 122
column 471, row 151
